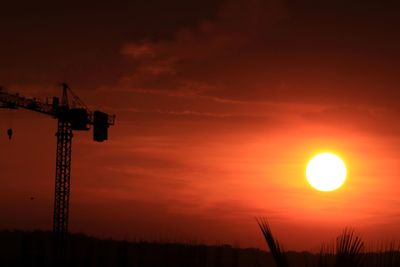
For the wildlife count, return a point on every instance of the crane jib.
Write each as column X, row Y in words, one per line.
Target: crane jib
column 80, row 118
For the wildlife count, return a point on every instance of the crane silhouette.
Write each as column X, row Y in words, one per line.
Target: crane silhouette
column 71, row 115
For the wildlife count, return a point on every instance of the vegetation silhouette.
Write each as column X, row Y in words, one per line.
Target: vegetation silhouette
column 275, row 248
column 347, row 251
column 19, row 248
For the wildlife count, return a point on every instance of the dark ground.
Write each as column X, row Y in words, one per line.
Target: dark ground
column 19, row 248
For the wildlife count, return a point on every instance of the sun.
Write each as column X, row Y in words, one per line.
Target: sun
column 326, row 172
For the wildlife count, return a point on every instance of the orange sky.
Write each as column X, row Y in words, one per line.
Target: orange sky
column 219, row 106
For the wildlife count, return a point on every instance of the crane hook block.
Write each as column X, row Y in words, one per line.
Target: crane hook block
column 9, row 133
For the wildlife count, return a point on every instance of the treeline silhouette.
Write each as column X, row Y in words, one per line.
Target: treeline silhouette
column 18, row 248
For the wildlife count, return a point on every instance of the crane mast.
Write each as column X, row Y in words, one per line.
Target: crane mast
column 70, row 117
column 63, row 169
column 63, row 176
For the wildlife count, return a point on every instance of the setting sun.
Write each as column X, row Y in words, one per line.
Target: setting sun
column 326, row 172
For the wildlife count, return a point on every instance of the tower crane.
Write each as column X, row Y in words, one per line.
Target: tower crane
column 71, row 115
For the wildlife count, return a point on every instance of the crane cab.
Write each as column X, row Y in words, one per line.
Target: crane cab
column 79, row 118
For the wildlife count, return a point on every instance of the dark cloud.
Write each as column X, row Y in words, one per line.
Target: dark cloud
column 281, row 51
column 43, row 42
column 275, row 50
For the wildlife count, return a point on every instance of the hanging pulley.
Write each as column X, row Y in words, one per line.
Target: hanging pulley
column 9, row 133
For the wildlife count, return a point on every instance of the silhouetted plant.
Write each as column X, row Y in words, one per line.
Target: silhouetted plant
column 348, row 252
column 349, row 249
column 275, row 248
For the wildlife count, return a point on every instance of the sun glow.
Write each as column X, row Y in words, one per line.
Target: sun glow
column 326, row 172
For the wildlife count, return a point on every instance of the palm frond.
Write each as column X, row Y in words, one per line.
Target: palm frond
column 275, row 248
column 349, row 249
